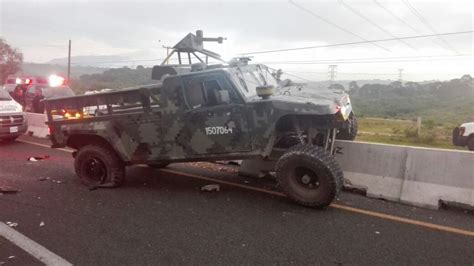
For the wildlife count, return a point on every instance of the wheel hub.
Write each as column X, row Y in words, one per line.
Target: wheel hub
column 306, row 177
column 95, row 170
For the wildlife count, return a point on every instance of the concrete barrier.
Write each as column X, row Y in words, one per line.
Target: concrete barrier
column 36, row 125
column 417, row 176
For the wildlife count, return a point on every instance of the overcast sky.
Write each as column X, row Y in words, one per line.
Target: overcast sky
column 136, row 30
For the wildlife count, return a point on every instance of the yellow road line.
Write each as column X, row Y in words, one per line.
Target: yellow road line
column 389, row 217
column 338, row 206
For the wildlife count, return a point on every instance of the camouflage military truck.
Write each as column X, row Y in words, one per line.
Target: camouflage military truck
column 207, row 113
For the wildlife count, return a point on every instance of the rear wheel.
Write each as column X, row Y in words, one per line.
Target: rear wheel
column 309, row 175
column 98, row 166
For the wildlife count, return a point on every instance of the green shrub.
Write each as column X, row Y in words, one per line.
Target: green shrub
column 411, row 132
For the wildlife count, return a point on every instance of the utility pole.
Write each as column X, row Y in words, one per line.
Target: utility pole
column 400, row 70
column 332, row 71
column 167, row 52
column 69, row 62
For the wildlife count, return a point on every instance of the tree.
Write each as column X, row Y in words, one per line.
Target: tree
column 353, row 86
column 10, row 60
column 336, row 86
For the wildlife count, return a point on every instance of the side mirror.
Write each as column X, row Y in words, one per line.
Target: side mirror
column 223, row 97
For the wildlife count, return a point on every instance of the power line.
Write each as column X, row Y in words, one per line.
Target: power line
column 403, row 22
column 397, row 17
column 373, row 59
column 374, row 24
column 373, row 74
column 333, row 24
column 427, row 24
column 354, row 43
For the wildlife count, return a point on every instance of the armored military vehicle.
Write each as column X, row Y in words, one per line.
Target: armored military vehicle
column 207, row 112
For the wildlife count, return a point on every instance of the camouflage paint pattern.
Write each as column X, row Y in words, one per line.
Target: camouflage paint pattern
column 165, row 128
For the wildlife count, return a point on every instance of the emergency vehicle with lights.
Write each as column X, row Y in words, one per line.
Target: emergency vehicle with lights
column 30, row 90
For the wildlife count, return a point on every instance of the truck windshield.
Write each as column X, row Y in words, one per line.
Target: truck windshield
column 4, row 95
column 251, row 76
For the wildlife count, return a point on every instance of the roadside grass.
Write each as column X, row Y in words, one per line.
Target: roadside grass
column 404, row 132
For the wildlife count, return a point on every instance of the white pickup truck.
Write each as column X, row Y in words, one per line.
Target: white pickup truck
column 12, row 118
column 464, row 136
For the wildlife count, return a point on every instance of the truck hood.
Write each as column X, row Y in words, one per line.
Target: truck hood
column 10, row 107
column 311, row 100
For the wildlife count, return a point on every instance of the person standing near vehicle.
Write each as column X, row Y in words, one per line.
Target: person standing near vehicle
column 19, row 94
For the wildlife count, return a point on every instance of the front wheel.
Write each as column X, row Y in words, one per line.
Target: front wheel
column 470, row 144
column 98, row 166
column 309, row 175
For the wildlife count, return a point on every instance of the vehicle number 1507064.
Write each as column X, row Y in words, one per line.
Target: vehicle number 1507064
column 218, row 130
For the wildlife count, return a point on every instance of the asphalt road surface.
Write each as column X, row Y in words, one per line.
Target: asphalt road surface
column 163, row 217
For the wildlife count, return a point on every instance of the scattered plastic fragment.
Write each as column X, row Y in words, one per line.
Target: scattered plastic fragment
column 377, row 232
column 37, row 158
column 11, row 257
column 41, row 224
column 43, row 178
column 211, row 188
column 8, row 190
column 12, row 224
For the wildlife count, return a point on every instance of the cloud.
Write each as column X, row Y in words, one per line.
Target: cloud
column 129, row 28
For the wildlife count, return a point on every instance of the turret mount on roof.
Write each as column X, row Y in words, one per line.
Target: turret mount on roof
column 193, row 46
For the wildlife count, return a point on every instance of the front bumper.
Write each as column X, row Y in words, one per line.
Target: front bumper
column 12, row 131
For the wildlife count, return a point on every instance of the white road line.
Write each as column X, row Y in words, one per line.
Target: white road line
column 43, row 145
column 30, row 246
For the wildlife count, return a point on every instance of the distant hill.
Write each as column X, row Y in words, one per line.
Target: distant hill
column 449, row 101
column 48, row 69
column 115, row 78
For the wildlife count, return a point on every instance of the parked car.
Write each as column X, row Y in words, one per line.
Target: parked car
column 464, row 136
column 12, row 118
column 29, row 91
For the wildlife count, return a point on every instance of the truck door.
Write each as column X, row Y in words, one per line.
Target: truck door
column 215, row 114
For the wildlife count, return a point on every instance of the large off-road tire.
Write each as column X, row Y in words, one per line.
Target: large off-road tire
column 158, row 165
column 309, row 175
column 470, row 143
column 349, row 133
column 99, row 166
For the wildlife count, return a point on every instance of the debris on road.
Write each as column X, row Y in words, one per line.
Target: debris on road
column 37, row 158
column 8, row 190
column 43, row 178
column 211, row 188
column 41, row 224
column 11, row 257
column 377, row 232
column 12, row 224
column 214, row 167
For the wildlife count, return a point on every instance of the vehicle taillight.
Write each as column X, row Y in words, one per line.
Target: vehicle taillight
column 28, row 81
